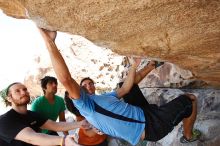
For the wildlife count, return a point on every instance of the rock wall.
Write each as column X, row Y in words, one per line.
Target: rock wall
column 185, row 32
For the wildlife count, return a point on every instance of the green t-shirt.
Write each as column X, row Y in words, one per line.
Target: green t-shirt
column 47, row 110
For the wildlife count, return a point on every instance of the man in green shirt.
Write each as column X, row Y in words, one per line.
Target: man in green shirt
column 50, row 105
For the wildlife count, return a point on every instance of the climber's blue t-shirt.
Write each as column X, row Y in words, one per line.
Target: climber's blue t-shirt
column 129, row 131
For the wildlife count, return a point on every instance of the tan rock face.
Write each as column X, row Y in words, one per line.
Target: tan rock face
column 185, row 32
column 13, row 8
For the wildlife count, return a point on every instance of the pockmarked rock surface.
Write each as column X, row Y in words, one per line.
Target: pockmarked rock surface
column 186, row 32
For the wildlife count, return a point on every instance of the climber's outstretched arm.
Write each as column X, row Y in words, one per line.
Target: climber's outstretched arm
column 59, row 64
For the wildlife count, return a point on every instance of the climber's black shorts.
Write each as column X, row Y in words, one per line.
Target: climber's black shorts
column 160, row 120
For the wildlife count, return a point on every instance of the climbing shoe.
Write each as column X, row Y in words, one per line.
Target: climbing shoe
column 158, row 64
column 195, row 136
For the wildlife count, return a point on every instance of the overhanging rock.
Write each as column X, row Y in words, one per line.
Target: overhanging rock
column 186, row 33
